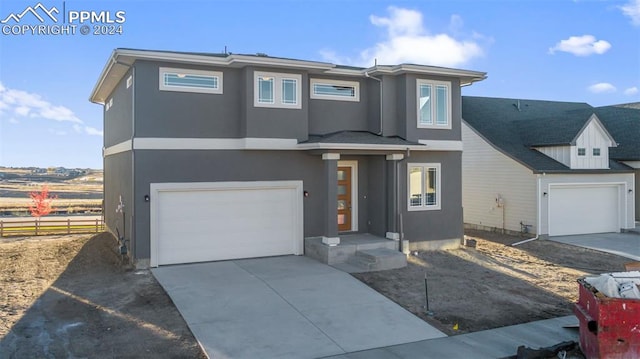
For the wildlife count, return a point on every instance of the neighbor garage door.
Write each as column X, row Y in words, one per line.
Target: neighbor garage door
column 197, row 222
column 583, row 209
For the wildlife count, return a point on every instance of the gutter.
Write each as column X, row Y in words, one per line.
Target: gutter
column 366, row 74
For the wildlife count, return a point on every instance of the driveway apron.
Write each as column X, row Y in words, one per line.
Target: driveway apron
column 285, row 307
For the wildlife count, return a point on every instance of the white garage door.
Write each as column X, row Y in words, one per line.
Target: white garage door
column 583, row 209
column 197, row 222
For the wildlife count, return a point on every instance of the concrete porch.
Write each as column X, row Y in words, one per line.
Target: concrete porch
column 357, row 253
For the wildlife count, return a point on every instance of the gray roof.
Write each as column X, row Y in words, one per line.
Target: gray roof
column 359, row 137
column 514, row 126
column 623, row 123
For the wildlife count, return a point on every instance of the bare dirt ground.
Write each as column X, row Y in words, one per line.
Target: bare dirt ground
column 493, row 285
column 69, row 297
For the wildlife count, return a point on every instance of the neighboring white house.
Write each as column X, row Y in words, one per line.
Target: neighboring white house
column 542, row 167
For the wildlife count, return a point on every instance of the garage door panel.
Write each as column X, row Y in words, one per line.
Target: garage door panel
column 583, row 209
column 227, row 223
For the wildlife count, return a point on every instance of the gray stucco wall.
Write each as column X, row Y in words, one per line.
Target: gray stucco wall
column 118, row 120
column 214, row 166
column 377, row 211
column 446, row 223
column 275, row 122
column 117, row 183
column 186, row 114
column 413, row 133
column 328, row 116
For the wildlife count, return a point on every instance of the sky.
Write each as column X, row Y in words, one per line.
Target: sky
column 561, row 50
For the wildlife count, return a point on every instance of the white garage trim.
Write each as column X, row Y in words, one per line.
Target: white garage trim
column 619, row 206
column 157, row 189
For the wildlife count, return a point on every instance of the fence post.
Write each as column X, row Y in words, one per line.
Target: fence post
column 1, row 228
column 96, row 226
column 36, row 225
column 68, row 225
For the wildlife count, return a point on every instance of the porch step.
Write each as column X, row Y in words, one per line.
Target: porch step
column 378, row 259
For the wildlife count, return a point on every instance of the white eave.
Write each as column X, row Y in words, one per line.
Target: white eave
column 122, row 59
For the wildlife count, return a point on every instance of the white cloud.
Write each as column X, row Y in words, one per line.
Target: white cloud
column 407, row 41
column 632, row 10
column 631, row 91
column 584, row 45
column 93, row 131
column 25, row 103
column 13, row 121
column 602, row 87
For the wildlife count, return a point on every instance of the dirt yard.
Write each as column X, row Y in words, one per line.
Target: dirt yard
column 493, row 285
column 67, row 296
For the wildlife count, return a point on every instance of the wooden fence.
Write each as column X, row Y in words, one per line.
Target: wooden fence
column 35, row 227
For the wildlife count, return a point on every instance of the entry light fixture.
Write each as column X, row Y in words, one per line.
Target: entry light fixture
column 147, row 198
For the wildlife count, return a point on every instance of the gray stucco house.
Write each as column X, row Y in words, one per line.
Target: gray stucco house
column 225, row 156
column 548, row 167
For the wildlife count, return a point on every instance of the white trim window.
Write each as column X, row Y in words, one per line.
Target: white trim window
column 188, row 80
column 277, row 90
column 582, row 151
column 434, row 104
column 323, row 89
column 596, row 152
column 423, row 186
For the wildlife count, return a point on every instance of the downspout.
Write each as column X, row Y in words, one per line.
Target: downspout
column 366, row 74
column 399, row 202
column 538, row 221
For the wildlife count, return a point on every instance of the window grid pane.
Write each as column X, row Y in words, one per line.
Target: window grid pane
column 193, row 81
column 415, row 187
column 441, row 105
column 582, row 151
column 265, row 90
column 289, row 91
column 334, row 90
column 425, row 105
column 596, row 152
column 431, row 192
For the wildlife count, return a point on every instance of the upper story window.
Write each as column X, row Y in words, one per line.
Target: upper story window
column 434, row 104
column 187, row 80
column 596, row 152
column 277, row 90
column 323, row 89
column 423, row 186
column 582, row 151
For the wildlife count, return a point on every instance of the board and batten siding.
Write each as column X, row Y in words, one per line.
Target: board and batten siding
column 561, row 154
column 592, row 137
column 487, row 173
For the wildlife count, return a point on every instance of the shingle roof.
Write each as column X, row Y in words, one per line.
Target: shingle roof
column 514, row 126
column 623, row 123
column 359, row 137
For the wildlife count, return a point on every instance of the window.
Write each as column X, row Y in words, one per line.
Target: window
column 187, row 80
column 434, row 102
column 596, row 152
column 582, row 151
column 323, row 89
column 423, row 186
column 277, row 90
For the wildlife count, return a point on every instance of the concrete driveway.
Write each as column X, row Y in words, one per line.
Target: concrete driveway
column 285, row 307
column 622, row 244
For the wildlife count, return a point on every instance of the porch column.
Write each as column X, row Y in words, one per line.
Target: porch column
column 393, row 214
column 330, row 236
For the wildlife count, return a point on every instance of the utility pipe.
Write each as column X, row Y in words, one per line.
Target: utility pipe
column 537, row 229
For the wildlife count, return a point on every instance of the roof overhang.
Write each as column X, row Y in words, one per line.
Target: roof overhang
column 122, row 59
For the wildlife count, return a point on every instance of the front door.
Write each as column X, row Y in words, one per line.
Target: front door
column 344, row 199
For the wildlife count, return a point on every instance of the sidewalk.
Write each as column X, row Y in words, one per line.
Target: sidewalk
column 494, row 343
